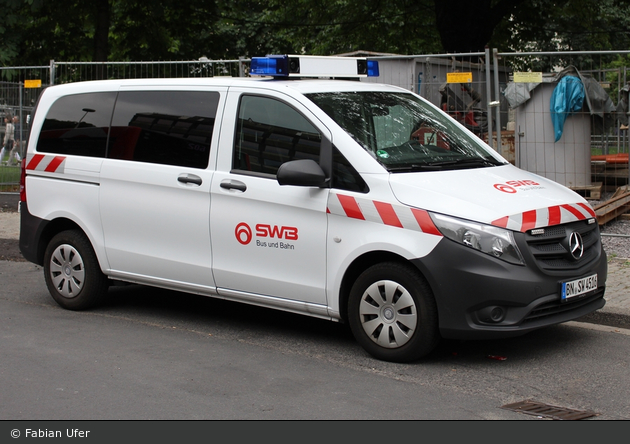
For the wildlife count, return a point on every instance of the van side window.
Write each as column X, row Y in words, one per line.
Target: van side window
column 269, row 133
column 77, row 125
column 164, row 127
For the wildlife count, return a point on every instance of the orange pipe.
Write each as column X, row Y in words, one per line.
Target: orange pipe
column 612, row 158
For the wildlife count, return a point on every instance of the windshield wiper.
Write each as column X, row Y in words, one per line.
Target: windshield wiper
column 409, row 168
column 465, row 162
column 436, row 166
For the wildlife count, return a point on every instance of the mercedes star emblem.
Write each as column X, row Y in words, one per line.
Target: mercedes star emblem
column 576, row 245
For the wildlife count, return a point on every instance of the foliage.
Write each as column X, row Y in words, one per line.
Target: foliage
column 36, row 31
column 566, row 25
column 341, row 26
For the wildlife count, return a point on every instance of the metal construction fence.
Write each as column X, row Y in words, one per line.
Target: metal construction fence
column 521, row 99
column 568, row 116
column 510, row 100
column 20, row 87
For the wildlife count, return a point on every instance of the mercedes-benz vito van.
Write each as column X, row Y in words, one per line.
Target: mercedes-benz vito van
column 340, row 199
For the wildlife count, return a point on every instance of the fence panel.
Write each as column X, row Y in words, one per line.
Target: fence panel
column 66, row 72
column 460, row 84
column 19, row 89
column 581, row 143
column 478, row 89
column 590, row 156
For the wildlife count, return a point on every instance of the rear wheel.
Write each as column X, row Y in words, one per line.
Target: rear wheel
column 392, row 313
column 73, row 275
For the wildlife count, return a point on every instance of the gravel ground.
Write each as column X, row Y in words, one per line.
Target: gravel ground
column 615, row 234
column 616, row 246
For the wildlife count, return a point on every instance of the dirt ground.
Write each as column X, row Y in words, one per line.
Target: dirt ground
column 10, row 251
column 9, row 248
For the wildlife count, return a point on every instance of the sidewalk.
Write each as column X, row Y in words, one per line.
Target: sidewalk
column 618, row 287
column 617, row 291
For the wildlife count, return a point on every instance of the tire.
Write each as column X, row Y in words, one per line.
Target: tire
column 392, row 313
column 72, row 272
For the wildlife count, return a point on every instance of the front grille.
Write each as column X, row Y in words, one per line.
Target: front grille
column 550, row 249
column 556, row 307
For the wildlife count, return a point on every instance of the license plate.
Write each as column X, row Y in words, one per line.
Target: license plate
column 578, row 287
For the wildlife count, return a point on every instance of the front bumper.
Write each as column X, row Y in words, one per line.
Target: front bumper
column 481, row 297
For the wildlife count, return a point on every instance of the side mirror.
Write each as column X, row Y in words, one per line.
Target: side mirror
column 302, row 173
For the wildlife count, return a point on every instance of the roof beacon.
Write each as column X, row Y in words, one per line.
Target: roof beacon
column 313, row 66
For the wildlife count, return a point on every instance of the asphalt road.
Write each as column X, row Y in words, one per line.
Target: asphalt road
column 155, row 354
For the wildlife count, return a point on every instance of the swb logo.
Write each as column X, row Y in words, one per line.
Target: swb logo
column 244, row 233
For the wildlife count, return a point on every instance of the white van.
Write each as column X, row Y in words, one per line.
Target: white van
column 339, row 199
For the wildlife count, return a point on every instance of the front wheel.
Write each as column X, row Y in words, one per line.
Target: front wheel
column 392, row 313
column 72, row 272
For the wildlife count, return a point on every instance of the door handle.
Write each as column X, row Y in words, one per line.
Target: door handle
column 189, row 179
column 230, row 184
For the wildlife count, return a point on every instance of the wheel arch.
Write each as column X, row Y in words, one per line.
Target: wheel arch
column 51, row 229
column 72, row 271
column 359, row 265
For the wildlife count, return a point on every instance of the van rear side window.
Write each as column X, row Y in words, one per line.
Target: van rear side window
column 164, row 127
column 78, row 125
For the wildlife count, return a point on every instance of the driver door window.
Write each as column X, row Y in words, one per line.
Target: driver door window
column 269, row 133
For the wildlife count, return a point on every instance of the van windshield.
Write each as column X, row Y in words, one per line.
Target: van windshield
column 403, row 132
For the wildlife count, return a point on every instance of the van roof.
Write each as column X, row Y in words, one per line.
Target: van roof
column 303, row 86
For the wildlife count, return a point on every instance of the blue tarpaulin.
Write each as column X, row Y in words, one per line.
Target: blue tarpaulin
column 567, row 98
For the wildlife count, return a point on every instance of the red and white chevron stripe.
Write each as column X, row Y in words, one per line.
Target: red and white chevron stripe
column 47, row 163
column 399, row 216
column 545, row 217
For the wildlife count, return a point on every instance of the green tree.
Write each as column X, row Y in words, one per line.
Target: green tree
column 341, row 26
column 36, row 31
column 12, row 28
column 578, row 25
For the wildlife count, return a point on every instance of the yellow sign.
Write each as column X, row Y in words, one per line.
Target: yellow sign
column 32, row 83
column 459, row 77
column 528, row 77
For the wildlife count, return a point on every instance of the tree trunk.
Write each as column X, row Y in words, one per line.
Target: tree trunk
column 101, row 33
column 466, row 26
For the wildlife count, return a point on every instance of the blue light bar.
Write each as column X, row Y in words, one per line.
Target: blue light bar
column 372, row 68
column 273, row 65
column 313, row 66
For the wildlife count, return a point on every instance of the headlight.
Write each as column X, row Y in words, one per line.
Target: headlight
column 491, row 240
